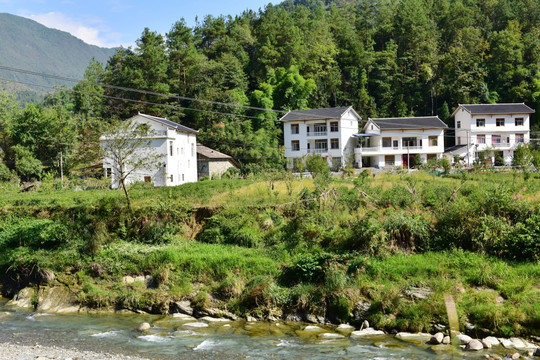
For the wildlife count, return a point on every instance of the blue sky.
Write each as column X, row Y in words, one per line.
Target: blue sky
column 110, row 23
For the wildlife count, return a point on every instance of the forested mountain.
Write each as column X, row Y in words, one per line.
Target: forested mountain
column 26, row 44
column 385, row 57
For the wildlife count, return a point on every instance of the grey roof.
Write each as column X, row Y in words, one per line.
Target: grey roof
column 170, row 123
column 423, row 122
column 514, row 108
column 316, row 114
column 453, row 148
column 214, row 154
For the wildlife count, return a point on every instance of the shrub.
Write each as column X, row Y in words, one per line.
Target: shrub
column 397, row 196
column 5, row 173
column 409, row 231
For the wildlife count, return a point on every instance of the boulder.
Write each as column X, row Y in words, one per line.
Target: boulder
column 492, row 357
column 144, row 326
column 418, row 338
column 329, row 336
column 464, row 339
column 474, row 345
column 506, row 343
column 361, row 310
column 513, row 356
column 446, row 340
column 214, row 320
column 366, row 333
column 518, row 343
column 365, row 325
column 57, row 299
column 45, row 276
column 23, row 298
column 437, row 338
column 418, row 293
column 180, row 316
column 313, row 328
column 490, row 341
column 183, row 307
column 345, row 328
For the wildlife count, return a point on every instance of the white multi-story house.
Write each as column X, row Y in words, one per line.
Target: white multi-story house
column 495, row 128
column 390, row 142
column 327, row 132
column 173, row 146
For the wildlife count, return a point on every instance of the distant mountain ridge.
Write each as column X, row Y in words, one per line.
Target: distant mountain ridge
column 26, row 44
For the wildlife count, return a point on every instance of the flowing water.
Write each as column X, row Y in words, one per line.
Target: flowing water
column 171, row 338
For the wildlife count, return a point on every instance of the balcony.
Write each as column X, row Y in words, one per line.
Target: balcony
column 500, row 144
column 317, row 133
column 317, row 151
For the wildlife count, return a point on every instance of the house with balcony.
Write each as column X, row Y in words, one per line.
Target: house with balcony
column 327, row 132
column 391, row 142
column 497, row 129
column 174, row 146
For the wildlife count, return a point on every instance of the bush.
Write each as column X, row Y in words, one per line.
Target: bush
column 5, row 173
column 397, row 196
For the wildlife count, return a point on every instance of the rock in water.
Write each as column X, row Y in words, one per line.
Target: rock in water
column 474, row 345
column 437, row 338
column 365, row 325
column 464, row 339
column 144, row 326
column 446, row 340
column 490, row 341
column 366, row 333
column 331, row 336
column 312, row 328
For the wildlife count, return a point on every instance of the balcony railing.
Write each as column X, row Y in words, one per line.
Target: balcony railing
column 317, row 151
column 501, row 144
column 317, row 133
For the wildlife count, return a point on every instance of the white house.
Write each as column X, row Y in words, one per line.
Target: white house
column 173, row 145
column 388, row 142
column 497, row 128
column 327, row 132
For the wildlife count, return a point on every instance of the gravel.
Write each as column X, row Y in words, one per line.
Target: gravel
column 38, row 352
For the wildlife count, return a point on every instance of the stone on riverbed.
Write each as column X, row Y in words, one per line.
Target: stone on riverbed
column 313, row 328
column 506, row 343
column 181, row 317
column 490, row 341
column 474, row 345
column 366, row 333
column 518, row 343
column 464, row 339
column 417, row 338
column 329, row 336
column 446, row 340
column 214, row 320
column 144, row 326
column 437, row 338
column 195, row 325
column 345, row 328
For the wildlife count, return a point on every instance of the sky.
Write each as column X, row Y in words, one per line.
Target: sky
column 112, row 23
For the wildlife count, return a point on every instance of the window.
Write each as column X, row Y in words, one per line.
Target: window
column 458, row 124
column 519, row 121
column 389, row 160
column 431, row 156
column 433, row 140
column 395, row 144
column 499, row 122
column 320, row 129
column 321, row 146
column 171, row 178
column 182, row 177
column 520, row 138
column 171, row 148
column 334, row 143
column 386, row 142
column 192, row 149
column 334, row 126
column 480, row 122
column 147, row 179
column 108, row 172
column 295, row 145
column 295, row 129
column 481, row 139
column 459, row 141
column 496, row 139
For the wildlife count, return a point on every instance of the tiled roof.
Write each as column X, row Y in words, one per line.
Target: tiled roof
column 424, row 122
column 515, row 108
column 214, row 154
column 170, row 123
column 315, row 114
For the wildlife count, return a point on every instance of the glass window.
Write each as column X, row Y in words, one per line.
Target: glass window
column 171, row 178
column 520, row 138
column 295, row 145
column 499, row 122
column 320, row 129
column 433, row 140
column 333, row 126
column 295, row 129
column 386, row 142
column 458, row 124
column 481, row 139
column 389, row 160
column 334, row 143
column 480, row 122
column 519, row 121
column 496, row 139
column 171, row 148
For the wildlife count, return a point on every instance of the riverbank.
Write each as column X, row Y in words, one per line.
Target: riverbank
column 384, row 249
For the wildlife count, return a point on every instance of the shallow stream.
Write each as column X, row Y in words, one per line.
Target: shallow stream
column 171, row 338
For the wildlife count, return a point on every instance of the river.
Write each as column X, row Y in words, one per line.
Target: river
column 170, row 339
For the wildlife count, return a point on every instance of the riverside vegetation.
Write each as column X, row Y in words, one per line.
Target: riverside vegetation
column 383, row 248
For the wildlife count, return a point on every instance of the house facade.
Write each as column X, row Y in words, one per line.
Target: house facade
column 173, row 145
column 496, row 129
column 327, row 132
column 390, row 142
column 212, row 163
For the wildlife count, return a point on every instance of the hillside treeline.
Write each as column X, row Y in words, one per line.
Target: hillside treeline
column 386, row 58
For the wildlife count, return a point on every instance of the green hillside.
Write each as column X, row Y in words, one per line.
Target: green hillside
column 26, row 44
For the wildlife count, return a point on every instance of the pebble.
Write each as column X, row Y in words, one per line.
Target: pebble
column 37, row 352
